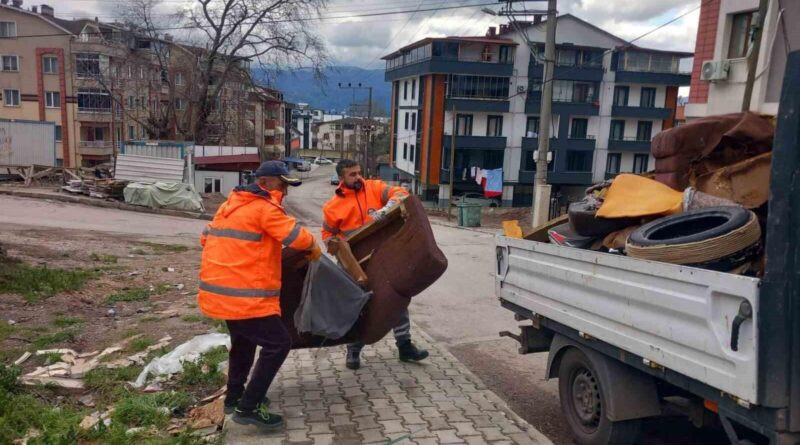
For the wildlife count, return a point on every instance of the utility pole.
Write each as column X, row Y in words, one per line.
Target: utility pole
column 541, row 189
column 755, row 50
column 358, row 86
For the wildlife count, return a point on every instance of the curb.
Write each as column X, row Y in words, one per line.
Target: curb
column 104, row 204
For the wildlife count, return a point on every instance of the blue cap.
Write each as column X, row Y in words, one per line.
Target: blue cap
column 276, row 168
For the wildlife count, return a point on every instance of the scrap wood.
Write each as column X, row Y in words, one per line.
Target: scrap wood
column 217, row 394
column 90, row 421
column 22, row 358
column 60, row 382
column 540, row 233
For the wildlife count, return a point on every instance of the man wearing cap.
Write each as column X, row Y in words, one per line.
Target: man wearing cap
column 240, row 282
column 355, row 203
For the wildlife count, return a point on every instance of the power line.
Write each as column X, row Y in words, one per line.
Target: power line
column 299, row 19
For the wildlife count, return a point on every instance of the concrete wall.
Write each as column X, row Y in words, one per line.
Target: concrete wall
column 408, row 104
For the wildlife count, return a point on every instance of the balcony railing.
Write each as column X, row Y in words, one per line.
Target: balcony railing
column 96, row 144
column 631, row 143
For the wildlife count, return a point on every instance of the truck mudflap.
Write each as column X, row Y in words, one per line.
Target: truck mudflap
column 628, row 393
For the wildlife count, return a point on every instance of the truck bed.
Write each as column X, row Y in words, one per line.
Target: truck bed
column 674, row 316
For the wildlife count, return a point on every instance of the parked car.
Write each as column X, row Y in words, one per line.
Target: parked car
column 303, row 166
column 335, row 180
column 322, row 161
column 477, row 198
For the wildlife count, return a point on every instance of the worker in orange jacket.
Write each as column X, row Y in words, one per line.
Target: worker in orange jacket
column 240, row 282
column 355, row 203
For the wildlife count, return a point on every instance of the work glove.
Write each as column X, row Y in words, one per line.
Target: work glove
column 315, row 253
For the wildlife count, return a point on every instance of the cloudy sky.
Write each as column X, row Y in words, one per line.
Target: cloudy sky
column 361, row 41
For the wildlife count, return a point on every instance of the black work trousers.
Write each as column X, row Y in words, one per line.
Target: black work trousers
column 271, row 334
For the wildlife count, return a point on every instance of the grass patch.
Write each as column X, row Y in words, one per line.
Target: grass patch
column 67, row 335
column 5, row 329
column 159, row 248
column 140, row 344
column 51, row 357
column 192, row 318
column 135, row 294
column 138, row 251
column 150, row 409
column 106, row 259
column 65, row 322
column 191, row 305
column 150, row 319
column 36, row 283
column 204, row 371
column 220, row 325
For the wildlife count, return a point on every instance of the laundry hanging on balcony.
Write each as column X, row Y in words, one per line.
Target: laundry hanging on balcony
column 493, row 183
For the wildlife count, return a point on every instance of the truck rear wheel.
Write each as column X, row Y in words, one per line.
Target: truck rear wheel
column 581, row 394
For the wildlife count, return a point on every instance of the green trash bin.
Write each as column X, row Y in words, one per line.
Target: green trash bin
column 469, row 215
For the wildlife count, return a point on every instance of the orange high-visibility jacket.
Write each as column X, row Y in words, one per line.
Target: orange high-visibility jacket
column 350, row 209
column 240, row 270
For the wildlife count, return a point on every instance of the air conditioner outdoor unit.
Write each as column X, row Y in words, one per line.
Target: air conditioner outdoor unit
column 715, row 70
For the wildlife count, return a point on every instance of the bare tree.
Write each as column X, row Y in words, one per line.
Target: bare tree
column 273, row 34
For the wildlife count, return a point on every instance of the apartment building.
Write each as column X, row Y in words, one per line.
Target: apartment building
column 483, row 94
column 724, row 39
column 348, row 134
column 103, row 84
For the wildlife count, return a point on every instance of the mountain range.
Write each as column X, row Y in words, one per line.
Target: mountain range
column 299, row 86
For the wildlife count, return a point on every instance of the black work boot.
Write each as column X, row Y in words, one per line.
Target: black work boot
column 353, row 360
column 260, row 417
column 231, row 401
column 410, row 353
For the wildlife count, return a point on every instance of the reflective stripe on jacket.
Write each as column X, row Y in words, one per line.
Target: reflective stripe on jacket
column 240, row 270
column 350, row 209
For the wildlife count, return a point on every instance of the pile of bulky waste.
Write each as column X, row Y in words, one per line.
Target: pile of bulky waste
column 703, row 206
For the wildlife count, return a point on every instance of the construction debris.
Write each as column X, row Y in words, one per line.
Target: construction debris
column 60, row 382
column 22, row 358
column 209, row 415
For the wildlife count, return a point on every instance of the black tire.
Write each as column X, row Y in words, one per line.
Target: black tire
column 582, row 403
column 690, row 227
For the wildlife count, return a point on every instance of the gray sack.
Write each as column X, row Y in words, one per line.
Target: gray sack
column 331, row 301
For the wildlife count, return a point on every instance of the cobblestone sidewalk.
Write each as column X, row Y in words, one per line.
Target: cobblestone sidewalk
column 437, row 401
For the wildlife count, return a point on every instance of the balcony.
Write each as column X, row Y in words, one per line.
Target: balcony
column 587, row 73
column 631, row 144
column 587, row 143
column 651, row 77
column 553, row 177
column 95, row 115
column 488, row 105
column 95, row 148
column 449, row 65
column 475, row 142
column 565, row 106
column 641, row 112
column 650, row 67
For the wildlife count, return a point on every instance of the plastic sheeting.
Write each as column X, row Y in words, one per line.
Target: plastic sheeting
column 172, row 362
column 167, row 195
column 331, row 302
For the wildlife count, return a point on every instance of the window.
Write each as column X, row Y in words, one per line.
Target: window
column 10, row 63
column 613, row 162
column 494, row 126
column 131, row 132
column 483, row 87
column 143, row 102
column 463, row 125
column 405, row 90
column 411, row 154
column 93, row 100
column 648, row 99
column 741, row 30
column 87, row 65
column 11, row 98
column 180, row 104
column 578, row 129
column 141, row 72
column 58, row 132
column 8, row 29
column 179, row 79
column 99, row 134
column 571, row 91
column 50, row 64
column 579, row 161
column 506, row 54
column 640, row 162
column 52, row 99
column 644, row 131
column 405, row 126
column 621, row 96
column 532, row 127
column 405, row 150
column 413, row 89
column 131, row 102
column 617, row 130
column 212, row 185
